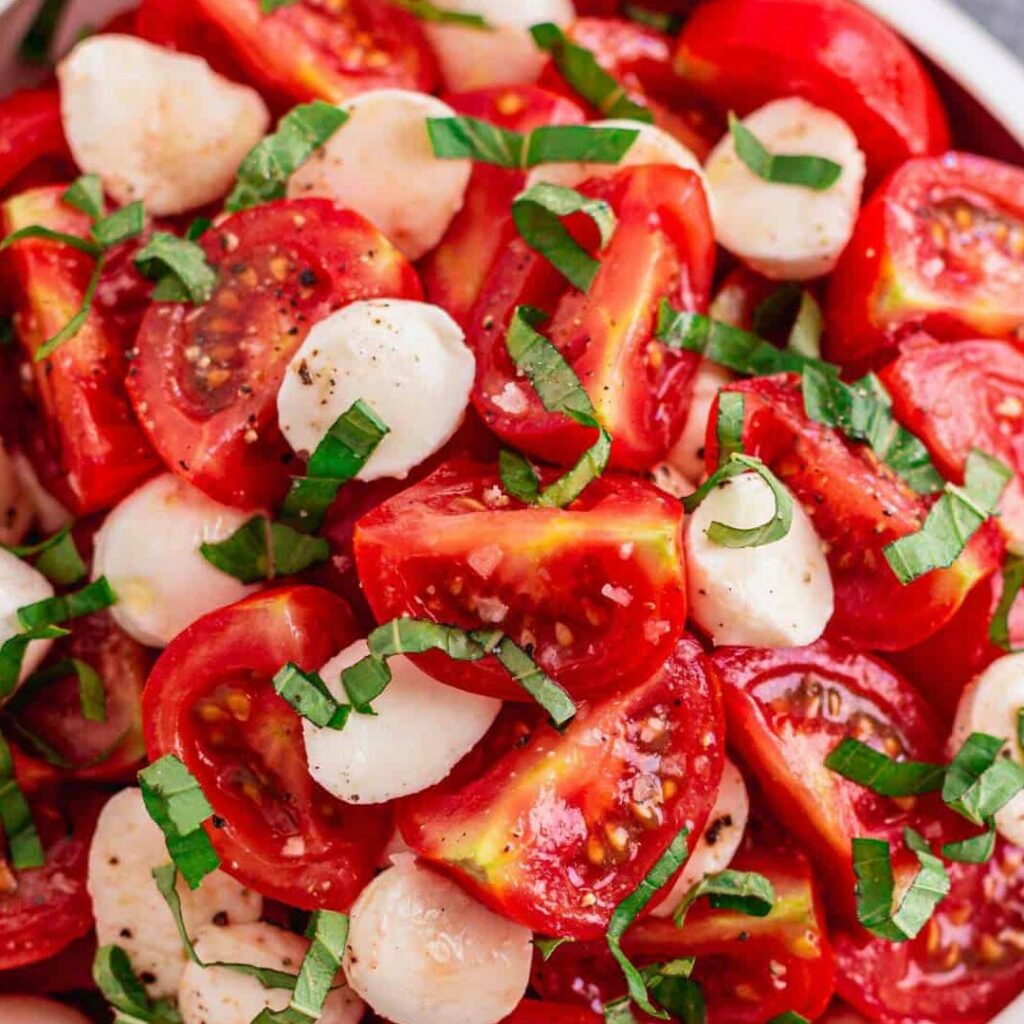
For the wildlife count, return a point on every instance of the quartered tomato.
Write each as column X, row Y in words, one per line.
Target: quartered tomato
column 560, row 830
column 30, row 130
column 596, row 592
column 204, row 382
column 743, row 53
column 454, row 273
column 663, row 248
column 210, row 701
column 939, row 247
column 69, row 970
column 857, row 506
column 966, row 964
column 100, row 451
column 530, row 1011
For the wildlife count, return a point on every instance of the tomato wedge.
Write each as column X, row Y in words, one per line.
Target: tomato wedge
column 560, row 830
column 30, row 131
column 663, row 248
column 204, row 382
column 530, row 1011
column 596, row 592
column 939, row 247
column 209, row 700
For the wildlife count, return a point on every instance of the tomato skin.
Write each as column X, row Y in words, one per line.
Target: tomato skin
column 884, row 288
column 742, row 54
column 30, row 130
column 528, row 837
column 209, row 701
column 662, row 248
column 216, row 425
column 542, row 575
column 530, row 1011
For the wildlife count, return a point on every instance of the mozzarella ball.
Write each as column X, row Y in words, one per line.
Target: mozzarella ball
column 16, row 510
column 687, row 454
column 148, row 548
column 128, row 907
column 380, row 163
column 788, row 232
column 219, row 995
column 422, row 951
column 154, row 124
column 380, row 757
column 36, row 1010
column 408, row 360
column 776, row 595
column 21, row 584
column 49, row 513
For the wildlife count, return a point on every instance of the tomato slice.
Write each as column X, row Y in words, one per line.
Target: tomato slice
column 30, row 130
column 596, row 592
column 743, row 53
column 662, row 248
column 69, row 970
column 209, row 700
column 560, row 830
column 204, row 382
column 100, row 452
column 857, row 506
column 530, row 1011
column 939, row 247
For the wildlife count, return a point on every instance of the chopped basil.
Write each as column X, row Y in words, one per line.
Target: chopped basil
column 266, row 169
column 92, row 695
column 518, row 477
column 789, row 1017
column 7, row 333
column 529, row 676
column 1020, row 730
column 979, row 782
column 12, row 654
column 470, row 138
column 660, row 21
column 263, row 550
column 426, row 11
column 86, row 195
column 112, row 972
column 681, row 996
column 794, row 310
column 77, row 322
column 91, row 598
column 744, row 891
column 999, row 627
column 619, row 1011
column 808, row 327
column 307, row 693
column 578, row 143
column 37, row 42
column 23, row 845
column 729, row 425
column 269, row 6
column 126, row 223
column 57, row 557
column 864, row 765
column 179, row 268
column 90, row 248
column 546, row 946
column 813, row 172
column 975, row 850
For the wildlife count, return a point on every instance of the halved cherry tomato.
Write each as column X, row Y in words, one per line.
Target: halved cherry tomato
column 662, row 248
column 595, row 592
column 530, row 1011
column 210, row 701
column 559, row 831
column 204, row 382
column 67, row 971
column 30, row 130
column 940, row 247
column 743, row 53
column 100, row 450
column 857, row 506
column 454, row 273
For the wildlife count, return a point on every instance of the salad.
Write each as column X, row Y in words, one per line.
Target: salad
column 510, row 513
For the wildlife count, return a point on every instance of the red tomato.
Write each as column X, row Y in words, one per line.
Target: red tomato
column 529, row 1011
column 743, row 53
column 100, row 450
column 205, row 381
column 209, row 700
column 857, row 506
column 940, row 246
column 662, row 248
column 30, row 130
column 560, row 830
column 455, row 272
column 66, row 971
column 596, row 591
column 965, row 966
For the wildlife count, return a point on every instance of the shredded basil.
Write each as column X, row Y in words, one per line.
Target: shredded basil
column 999, row 627
column 263, row 550
column 23, row 845
column 975, row 850
column 794, row 310
column 86, row 195
column 112, row 972
column 744, row 891
column 546, row 946
column 92, row 696
column 789, row 1017
column 38, row 40
column 12, row 654
column 867, row 767
column 426, row 11
column 269, row 6
column 979, row 782
column 179, row 268
column 307, row 693
column 660, row 21
column 57, row 557
column 813, row 172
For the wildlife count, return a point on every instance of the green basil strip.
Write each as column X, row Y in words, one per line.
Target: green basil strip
column 619, row 1011
column 869, row 768
column 789, row 1017
column 23, row 845
column 8, row 335
column 92, row 695
column 90, row 248
column 585, row 76
column 266, row 169
column 120, row 226
column 681, row 996
column 729, row 425
column 77, row 322
column 975, row 850
column 518, row 477
column 179, row 267
column 546, row 945
column 999, row 627
column 426, row 11
column 952, row 521
column 114, row 977
column 470, row 138
column 269, row 6
column 872, row 865
column 979, row 782
column 57, row 557
column 91, row 598
column 813, row 172
column 307, row 693
column 808, row 327
column 529, row 676
column 578, row 143
column 12, row 654
column 660, row 21
column 85, row 194
column 36, row 43
column 262, row 550
column 1020, row 730
column 176, row 802
column 744, row 891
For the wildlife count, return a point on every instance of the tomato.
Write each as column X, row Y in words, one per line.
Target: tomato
column 662, row 249
column 560, row 830
column 940, row 246
column 66, row 971
column 209, row 700
column 454, row 273
column 100, row 451
column 743, row 53
column 857, row 505
column 596, row 592
column 966, row 964
column 205, row 382
column 751, row 969
column 530, row 1011
column 30, row 130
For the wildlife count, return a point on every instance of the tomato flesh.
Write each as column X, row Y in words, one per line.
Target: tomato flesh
column 30, row 131
column 530, row 1011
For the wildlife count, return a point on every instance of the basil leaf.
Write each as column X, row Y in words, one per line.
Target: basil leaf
column 262, row 550
column 660, row 21
column 77, row 322
column 12, row 654
column 729, row 425
column 36, row 43
column 1020, row 729
column 546, row 946
column 57, row 557
column 266, row 169
column 979, row 782
column 179, row 268
column 789, row 1017
column 813, row 172
column 619, row 1011
column 38, row 231
column 269, row 6
column 23, row 845
column 417, row 636
column 85, row 194
column 864, row 765
column 198, row 228
column 578, row 143
column 999, row 627
column 808, row 327
column 120, row 226
column 469, row 138
column 426, row 11
column 92, row 695
column 308, row 694
column 518, row 477
column 681, row 996
column 529, row 676
column 91, row 598
column 114, row 977
column 744, row 891
column 975, row 850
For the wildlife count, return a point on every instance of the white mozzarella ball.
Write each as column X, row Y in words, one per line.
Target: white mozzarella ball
column 383, row 756
column 16, row 509
column 990, row 704
column 687, row 454
column 154, row 124
column 380, row 163
column 721, row 838
column 49, row 513
column 128, row 907
column 776, row 595
column 408, row 360
column 788, row 232
column 148, row 548
column 21, row 584
column 219, row 995
column 422, row 951
column 35, row 1010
